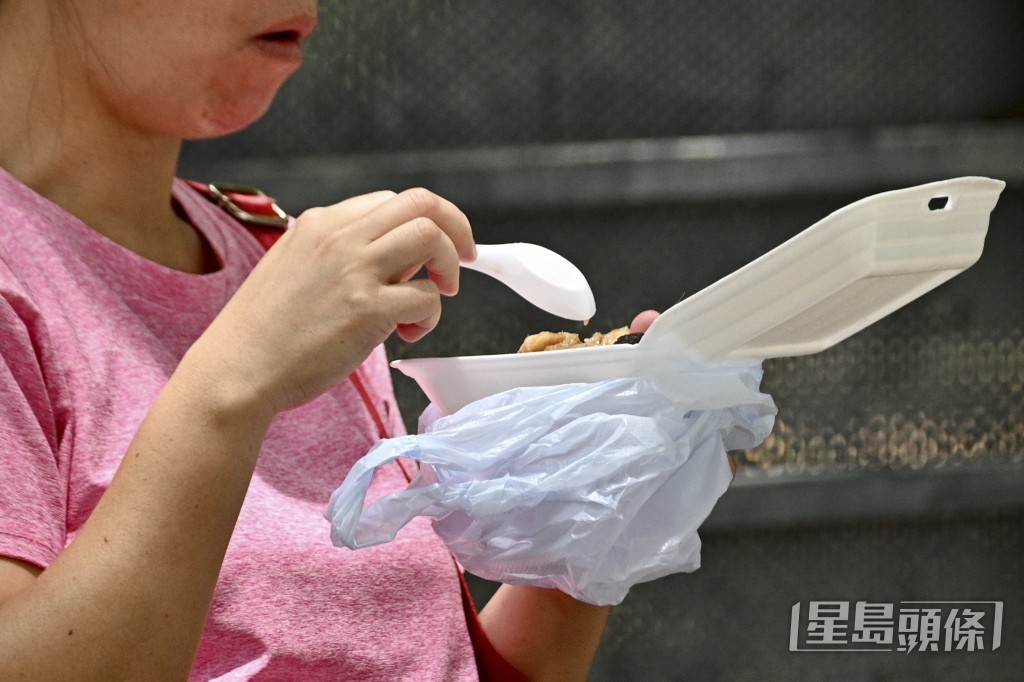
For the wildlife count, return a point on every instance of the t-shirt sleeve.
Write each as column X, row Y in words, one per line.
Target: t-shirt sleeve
column 32, row 490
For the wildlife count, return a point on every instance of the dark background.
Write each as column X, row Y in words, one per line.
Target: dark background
column 661, row 145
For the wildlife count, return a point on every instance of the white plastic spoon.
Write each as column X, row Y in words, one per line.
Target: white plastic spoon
column 541, row 276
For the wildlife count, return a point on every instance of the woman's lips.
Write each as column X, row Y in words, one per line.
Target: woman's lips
column 283, row 39
column 299, row 27
column 287, row 50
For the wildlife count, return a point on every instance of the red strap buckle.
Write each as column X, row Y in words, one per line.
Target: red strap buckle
column 247, row 204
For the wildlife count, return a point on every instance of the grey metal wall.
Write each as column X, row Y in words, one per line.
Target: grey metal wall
column 392, row 75
column 662, row 144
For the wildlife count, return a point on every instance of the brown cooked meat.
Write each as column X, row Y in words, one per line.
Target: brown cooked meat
column 559, row 340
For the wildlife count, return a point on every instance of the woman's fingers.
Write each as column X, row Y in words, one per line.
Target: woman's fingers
column 416, row 307
column 350, row 210
column 402, row 233
column 642, row 322
column 401, row 253
column 420, row 203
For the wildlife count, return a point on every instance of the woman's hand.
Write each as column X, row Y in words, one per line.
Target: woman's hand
column 334, row 287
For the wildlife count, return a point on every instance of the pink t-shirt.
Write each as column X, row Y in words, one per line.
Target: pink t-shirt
column 89, row 333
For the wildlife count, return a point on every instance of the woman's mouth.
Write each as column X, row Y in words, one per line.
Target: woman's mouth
column 284, row 39
column 293, row 29
column 281, row 45
column 282, row 36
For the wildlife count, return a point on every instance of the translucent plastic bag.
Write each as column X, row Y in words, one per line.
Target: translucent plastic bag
column 588, row 488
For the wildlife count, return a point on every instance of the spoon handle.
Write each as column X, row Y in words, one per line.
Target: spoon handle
column 490, row 261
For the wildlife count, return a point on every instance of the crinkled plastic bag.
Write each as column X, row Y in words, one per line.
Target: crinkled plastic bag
column 587, row 488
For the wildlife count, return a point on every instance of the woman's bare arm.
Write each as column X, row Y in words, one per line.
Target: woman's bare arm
column 128, row 598
column 545, row 634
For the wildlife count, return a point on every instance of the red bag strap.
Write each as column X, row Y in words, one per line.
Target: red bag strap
column 261, row 215
column 382, row 429
column 258, row 212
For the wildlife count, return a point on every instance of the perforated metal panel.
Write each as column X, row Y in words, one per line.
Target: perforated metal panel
column 931, row 401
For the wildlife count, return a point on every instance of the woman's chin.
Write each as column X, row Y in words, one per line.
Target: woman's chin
column 225, row 121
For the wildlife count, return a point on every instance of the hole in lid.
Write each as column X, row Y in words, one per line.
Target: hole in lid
column 938, row 203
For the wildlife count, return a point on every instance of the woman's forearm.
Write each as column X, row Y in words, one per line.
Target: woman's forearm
column 543, row 633
column 129, row 597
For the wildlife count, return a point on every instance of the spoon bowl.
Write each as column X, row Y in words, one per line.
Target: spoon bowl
column 541, row 276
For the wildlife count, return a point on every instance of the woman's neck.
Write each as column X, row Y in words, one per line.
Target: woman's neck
column 60, row 140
